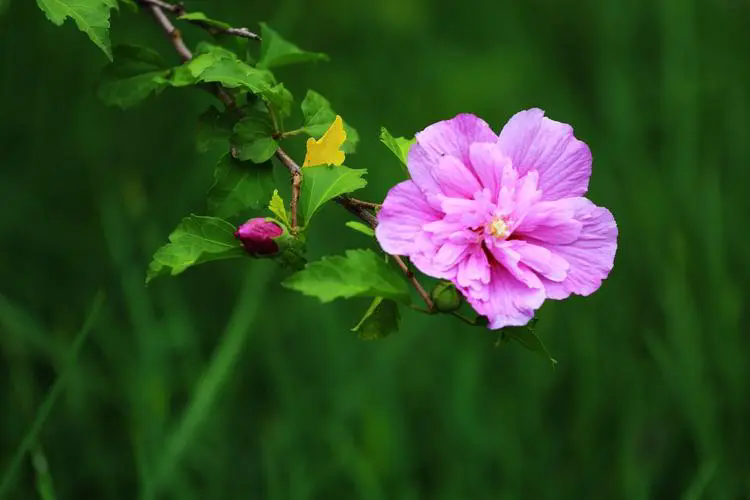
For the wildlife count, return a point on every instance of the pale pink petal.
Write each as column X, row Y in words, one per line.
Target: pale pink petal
column 507, row 256
column 541, row 260
column 550, row 221
column 474, row 271
column 449, row 137
column 590, row 256
column 454, row 178
column 402, row 218
column 488, row 162
column 534, row 142
column 510, row 302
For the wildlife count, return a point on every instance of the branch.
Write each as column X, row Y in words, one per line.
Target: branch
column 296, row 174
column 179, row 9
column 361, row 209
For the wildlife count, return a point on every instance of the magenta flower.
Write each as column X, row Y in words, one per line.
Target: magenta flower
column 503, row 217
column 257, row 236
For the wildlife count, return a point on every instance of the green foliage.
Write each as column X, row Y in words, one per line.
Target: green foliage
column 239, row 186
column 276, row 206
column 202, row 19
column 322, row 184
column 380, row 320
column 91, row 17
column 197, row 239
column 398, row 145
column 135, row 73
column 360, row 273
column 275, row 51
column 253, row 139
column 526, row 336
column 358, row 226
column 319, row 116
column 214, row 126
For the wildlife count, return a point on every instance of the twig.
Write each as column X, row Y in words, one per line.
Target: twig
column 362, row 209
column 296, row 174
column 174, row 33
column 242, row 32
column 179, row 9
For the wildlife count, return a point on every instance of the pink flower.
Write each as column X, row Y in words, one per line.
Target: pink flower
column 503, row 217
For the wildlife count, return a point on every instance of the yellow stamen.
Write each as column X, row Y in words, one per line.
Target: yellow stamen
column 499, row 228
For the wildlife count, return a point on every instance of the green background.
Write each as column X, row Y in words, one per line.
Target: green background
column 220, row 384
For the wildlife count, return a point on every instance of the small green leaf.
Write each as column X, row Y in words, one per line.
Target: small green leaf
column 380, row 320
column 276, row 206
column 322, row 184
column 281, row 99
column 135, row 74
column 91, row 17
column 239, row 186
column 196, row 239
column 358, row 226
column 214, row 127
column 398, row 145
column 201, row 19
column 525, row 336
column 275, row 51
column 361, row 273
column 319, row 116
column 253, row 138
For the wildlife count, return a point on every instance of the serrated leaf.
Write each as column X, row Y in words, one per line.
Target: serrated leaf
column 135, row 73
column 327, row 149
column 525, row 336
column 214, row 127
column 360, row 273
column 322, row 184
column 398, row 145
column 276, row 206
column 90, row 16
column 281, row 99
column 239, row 186
column 275, row 51
column 197, row 239
column 358, row 226
column 202, row 19
column 318, row 118
column 253, row 139
column 380, row 320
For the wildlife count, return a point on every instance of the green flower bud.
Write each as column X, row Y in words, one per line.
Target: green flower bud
column 446, row 297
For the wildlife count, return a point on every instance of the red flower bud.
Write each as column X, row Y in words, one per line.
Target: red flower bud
column 257, row 236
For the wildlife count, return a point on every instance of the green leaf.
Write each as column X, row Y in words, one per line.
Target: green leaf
column 398, row 145
column 358, row 226
column 217, row 64
column 322, row 184
column 253, row 138
column 525, row 336
column 276, row 206
column 275, row 51
column 281, row 99
column 214, row 127
column 202, row 19
column 91, row 17
column 197, row 239
column 135, row 73
column 239, row 186
column 380, row 320
column 361, row 273
column 318, row 117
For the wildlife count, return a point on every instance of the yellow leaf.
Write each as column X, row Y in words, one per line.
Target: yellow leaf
column 327, row 149
column 277, row 207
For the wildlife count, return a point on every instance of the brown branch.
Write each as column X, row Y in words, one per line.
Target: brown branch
column 296, row 173
column 174, row 33
column 361, row 209
column 242, row 32
column 179, row 9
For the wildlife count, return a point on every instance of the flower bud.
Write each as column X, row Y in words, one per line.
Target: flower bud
column 446, row 297
column 257, row 236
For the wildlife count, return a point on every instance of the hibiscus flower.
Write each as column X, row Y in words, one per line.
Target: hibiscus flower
column 502, row 217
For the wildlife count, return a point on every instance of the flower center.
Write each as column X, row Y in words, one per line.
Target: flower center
column 499, row 228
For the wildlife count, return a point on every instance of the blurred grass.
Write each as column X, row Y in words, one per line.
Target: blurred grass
column 221, row 384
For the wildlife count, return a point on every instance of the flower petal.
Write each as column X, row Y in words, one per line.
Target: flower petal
column 507, row 257
column 590, row 256
column 449, row 137
column 509, row 303
column 551, row 222
column 401, row 220
column 454, row 178
column 534, row 142
column 541, row 260
column 488, row 162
